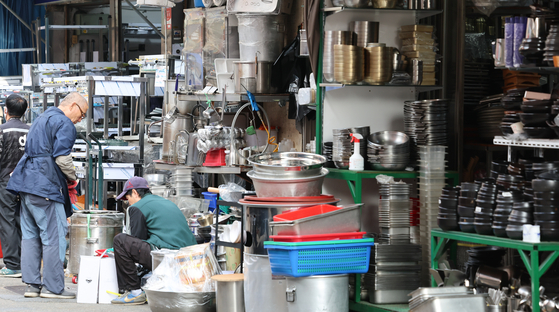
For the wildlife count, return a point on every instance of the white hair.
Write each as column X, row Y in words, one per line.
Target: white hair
column 73, row 97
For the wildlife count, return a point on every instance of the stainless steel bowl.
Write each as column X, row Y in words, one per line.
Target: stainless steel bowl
column 389, row 138
column 287, row 165
column 357, row 3
column 155, row 179
column 384, row 4
column 168, row 301
column 297, row 187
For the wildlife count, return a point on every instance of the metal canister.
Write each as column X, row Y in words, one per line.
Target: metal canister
column 428, row 4
column 230, row 292
column 92, row 230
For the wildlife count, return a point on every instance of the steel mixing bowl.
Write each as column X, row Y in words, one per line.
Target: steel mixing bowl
column 357, row 3
column 388, row 138
column 155, row 179
column 384, row 4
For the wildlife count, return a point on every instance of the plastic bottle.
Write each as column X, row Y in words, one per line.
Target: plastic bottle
column 356, row 161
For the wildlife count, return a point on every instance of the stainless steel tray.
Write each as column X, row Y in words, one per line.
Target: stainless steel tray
column 433, row 291
column 462, row 303
column 343, row 220
column 388, row 296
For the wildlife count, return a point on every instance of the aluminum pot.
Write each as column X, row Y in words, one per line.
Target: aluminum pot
column 102, row 226
column 291, row 187
column 257, row 219
column 328, row 293
column 264, row 78
column 168, row 301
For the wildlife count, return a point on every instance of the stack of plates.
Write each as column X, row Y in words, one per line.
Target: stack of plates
column 388, row 150
column 394, row 214
column 393, row 273
column 332, row 37
column 181, row 181
column 378, row 63
column 348, row 63
column 425, row 122
column 327, row 148
column 431, row 183
column 342, row 148
column 551, row 44
column 365, row 32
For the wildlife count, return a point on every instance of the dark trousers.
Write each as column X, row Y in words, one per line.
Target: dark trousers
column 10, row 229
column 130, row 250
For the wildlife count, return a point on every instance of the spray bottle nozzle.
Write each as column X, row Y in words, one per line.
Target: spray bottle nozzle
column 356, row 137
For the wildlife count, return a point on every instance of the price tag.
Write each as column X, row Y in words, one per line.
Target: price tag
column 507, row 194
column 160, row 77
column 478, row 210
column 517, row 127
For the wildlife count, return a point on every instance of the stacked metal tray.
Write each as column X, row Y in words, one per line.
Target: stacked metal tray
column 394, row 214
column 393, row 273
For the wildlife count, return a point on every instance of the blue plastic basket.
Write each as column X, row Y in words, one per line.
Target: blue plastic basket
column 320, row 257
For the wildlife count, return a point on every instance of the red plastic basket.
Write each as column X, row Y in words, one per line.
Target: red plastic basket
column 316, row 237
column 215, row 158
column 305, row 212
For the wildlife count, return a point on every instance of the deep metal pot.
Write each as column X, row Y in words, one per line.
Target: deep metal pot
column 261, row 36
column 328, row 293
column 256, row 220
column 102, row 227
column 262, row 292
column 170, row 131
column 168, row 301
column 264, row 78
column 267, row 186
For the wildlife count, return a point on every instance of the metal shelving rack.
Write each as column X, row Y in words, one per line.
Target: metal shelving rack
column 529, row 252
column 538, row 144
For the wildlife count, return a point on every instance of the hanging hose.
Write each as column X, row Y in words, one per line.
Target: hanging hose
column 233, row 125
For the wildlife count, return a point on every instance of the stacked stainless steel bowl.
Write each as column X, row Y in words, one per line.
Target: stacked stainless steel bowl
column 425, row 122
column 348, row 63
column 289, row 174
column 388, row 150
column 378, row 63
column 342, row 148
column 365, row 32
column 331, row 38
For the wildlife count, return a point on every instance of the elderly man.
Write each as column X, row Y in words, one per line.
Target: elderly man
column 41, row 178
column 13, row 135
column 154, row 223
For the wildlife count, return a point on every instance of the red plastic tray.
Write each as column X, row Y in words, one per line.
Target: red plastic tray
column 305, row 213
column 316, row 237
column 316, row 199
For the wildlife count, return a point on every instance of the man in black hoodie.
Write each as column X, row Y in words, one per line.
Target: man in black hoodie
column 13, row 135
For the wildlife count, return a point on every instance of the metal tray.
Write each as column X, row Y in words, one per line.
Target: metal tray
column 462, row 303
column 433, row 291
column 388, row 296
column 339, row 221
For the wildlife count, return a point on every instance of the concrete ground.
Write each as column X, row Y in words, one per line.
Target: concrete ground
column 11, row 299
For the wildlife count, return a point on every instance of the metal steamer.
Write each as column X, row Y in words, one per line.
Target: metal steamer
column 92, row 230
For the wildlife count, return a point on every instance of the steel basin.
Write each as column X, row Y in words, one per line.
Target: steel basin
column 267, row 186
column 167, row 301
column 287, row 165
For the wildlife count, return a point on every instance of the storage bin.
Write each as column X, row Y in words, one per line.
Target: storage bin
column 320, row 257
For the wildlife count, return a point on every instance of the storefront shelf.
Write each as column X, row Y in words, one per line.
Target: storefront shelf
column 529, row 253
column 332, row 86
column 364, row 306
column 534, row 143
column 373, row 11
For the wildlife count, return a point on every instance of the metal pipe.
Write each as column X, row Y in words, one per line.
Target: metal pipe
column 38, row 41
column 47, row 39
column 17, row 16
column 145, row 19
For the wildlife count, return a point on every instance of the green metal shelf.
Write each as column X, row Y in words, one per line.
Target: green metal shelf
column 355, row 178
column 363, row 306
column 529, row 252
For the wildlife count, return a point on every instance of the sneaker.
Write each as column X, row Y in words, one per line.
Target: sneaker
column 32, row 291
column 128, row 299
column 10, row 273
column 45, row 293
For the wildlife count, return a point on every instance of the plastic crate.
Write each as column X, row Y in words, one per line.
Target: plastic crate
column 320, row 257
column 316, row 237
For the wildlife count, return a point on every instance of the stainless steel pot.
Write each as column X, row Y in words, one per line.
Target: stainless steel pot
column 168, row 301
column 244, row 73
column 264, row 78
column 287, row 164
column 262, row 292
column 257, row 219
column 261, row 36
column 102, row 226
column 318, row 293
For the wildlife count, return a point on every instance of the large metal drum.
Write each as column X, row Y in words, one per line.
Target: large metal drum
column 263, row 293
column 92, row 230
column 261, row 37
column 257, row 217
column 328, row 293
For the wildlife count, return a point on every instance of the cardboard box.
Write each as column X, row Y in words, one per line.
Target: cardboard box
column 97, row 282
column 530, row 95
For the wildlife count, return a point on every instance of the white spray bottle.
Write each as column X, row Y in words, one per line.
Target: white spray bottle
column 356, row 161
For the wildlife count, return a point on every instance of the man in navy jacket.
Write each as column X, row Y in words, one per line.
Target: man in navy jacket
column 41, row 178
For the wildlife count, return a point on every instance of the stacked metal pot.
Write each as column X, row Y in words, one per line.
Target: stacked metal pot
column 388, row 150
